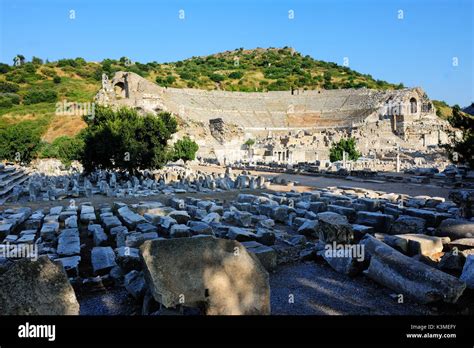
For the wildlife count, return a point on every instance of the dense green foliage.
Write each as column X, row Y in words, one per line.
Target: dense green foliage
column 20, row 142
column 8, row 87
column 184, row 149
column 65, row 148
column 265, row 69
column 249, row 142
column 348, row 145
column 125, row 140
column 7, row 100
column 462, row 150
column 35, row 96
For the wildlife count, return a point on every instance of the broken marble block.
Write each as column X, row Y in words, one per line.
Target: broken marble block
column 266, row 255
column 309, row 228
column 242, row 218
column 146, row 228
column 129, row 218
column 350, row 213
column 110, row 222
column 198, row 227
column 27, row 237
column 422, row 244
column 103, row 259
column 333, row 227
column 69, row 243
column 380, row 222
column 135, row 239
column 87, row 214
column 71, row 222
column 180, row 231
column 344, row 262
column 98, row 235
column 134, row 282
column 128, row 259
column 406, row 224
column 70, row 264
column 212, row 217
column 468, row 272
column 241, row 235
column 5, row 229
column 432, row 218
column 49, row 230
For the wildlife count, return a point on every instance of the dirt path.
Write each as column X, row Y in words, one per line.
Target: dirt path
column 319, row 290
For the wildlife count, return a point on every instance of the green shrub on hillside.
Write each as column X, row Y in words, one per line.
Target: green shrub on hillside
column 7, row 100
column 216, row 77
column 4, row 68
column 36, row 96
column 8, row 87
column 236, row 75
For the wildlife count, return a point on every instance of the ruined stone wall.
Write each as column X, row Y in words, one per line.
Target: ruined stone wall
column 380, row 120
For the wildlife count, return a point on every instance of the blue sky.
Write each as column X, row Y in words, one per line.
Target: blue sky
column 417, row 50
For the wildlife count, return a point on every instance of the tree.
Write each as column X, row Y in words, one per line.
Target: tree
column 65, row 148
column 344, row 145
column 185, row 149
column 249, row 143
column 20, row 142
column 124, row 140
column 36, row 61
column 462, row 150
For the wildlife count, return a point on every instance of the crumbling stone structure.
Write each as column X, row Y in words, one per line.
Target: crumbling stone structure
column 288, row 127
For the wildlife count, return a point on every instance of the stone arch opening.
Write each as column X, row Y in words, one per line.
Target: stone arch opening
column 119, row 89
column 413, row 106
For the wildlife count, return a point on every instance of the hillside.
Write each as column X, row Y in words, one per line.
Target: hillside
column 30, row 89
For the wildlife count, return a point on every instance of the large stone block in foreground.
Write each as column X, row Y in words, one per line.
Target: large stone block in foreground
column 408, row 276
column 216, row 272
column 37, row 288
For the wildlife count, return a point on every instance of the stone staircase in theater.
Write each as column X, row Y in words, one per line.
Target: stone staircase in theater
column 10, row 176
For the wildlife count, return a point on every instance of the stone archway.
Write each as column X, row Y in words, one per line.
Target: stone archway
column 119, row 90
column 413, row 106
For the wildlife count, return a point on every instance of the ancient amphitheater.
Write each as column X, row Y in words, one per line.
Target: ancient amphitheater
column 288, row 126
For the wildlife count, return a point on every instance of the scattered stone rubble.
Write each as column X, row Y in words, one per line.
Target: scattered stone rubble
column 58, row 184
column 184, row 255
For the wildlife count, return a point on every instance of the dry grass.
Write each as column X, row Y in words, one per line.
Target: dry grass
column 63, row 125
